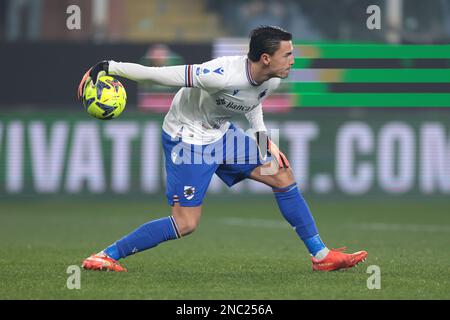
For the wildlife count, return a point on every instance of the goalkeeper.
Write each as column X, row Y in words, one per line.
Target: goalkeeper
column 197, row 127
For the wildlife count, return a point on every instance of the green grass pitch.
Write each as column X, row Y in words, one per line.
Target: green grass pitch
column 242, row 250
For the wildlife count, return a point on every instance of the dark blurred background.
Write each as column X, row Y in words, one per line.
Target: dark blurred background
column 36, row 43
column 109, row 21
column 364, row 112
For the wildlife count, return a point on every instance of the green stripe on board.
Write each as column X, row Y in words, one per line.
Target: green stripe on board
column 396, row 75
column 316, row 87
column 305, row 63
column 371, row 75
column 300, row 63
column 365, row 51
column 374, row 87
column 372, row 100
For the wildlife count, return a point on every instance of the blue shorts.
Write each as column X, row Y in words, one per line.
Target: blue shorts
column 189, row 168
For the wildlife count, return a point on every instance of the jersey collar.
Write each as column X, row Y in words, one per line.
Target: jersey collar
column 248, row 72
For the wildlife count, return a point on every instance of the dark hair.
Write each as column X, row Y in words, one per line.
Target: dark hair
column 266, row 39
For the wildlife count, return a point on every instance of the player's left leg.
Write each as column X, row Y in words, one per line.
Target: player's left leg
column 296, row 211
column 292, row 205
column 243, row 161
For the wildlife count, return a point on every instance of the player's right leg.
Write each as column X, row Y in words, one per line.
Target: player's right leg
column 184, row 220
column 186, row 185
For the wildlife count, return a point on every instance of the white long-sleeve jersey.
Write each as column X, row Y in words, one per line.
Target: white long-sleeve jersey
column 211, row 93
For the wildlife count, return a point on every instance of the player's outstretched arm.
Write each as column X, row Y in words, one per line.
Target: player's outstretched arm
column 172, row 76
column 175, row 76
column 168, row 76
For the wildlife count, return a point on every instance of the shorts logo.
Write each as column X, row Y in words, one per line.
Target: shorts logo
column 189, row 192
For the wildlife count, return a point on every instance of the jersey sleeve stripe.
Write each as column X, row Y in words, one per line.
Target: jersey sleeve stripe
column 190, row 75
column 185, row 75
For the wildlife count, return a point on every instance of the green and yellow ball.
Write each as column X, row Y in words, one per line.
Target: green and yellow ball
column 106, row 99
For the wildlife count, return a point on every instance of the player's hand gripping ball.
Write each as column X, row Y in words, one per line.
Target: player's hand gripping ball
column 106, row 99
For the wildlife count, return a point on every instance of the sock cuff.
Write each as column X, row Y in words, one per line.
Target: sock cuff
column 286, row 189
column 175, row 227
column 314, row 244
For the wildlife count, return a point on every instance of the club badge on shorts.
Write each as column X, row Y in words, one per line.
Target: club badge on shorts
column 189, row 192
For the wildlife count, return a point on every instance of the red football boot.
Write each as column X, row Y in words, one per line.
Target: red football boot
column 336, row 259
column 102, row 262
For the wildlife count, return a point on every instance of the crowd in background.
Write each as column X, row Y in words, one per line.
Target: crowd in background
column 35, row 20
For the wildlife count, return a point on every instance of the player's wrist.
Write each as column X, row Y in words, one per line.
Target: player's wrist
column 100, row 68
column 262, row 139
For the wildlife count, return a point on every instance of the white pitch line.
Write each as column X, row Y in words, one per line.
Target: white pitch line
column 259, row 223
column 379, row 226
column 374, row 226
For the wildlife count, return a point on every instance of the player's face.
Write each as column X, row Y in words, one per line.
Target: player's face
column 282, row 60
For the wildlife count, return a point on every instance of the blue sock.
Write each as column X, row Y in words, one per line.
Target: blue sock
column 112, row 251
column 147, row 236
column 295, row 210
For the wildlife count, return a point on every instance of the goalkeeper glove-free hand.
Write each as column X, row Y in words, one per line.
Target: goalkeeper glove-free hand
column 265, row 144
column 98, row 70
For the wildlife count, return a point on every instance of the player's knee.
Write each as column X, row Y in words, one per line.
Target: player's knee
column 283, row 178
column 187, row 219
column 188, row 226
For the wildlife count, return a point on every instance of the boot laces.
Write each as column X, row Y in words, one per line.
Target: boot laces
column 342, row 249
